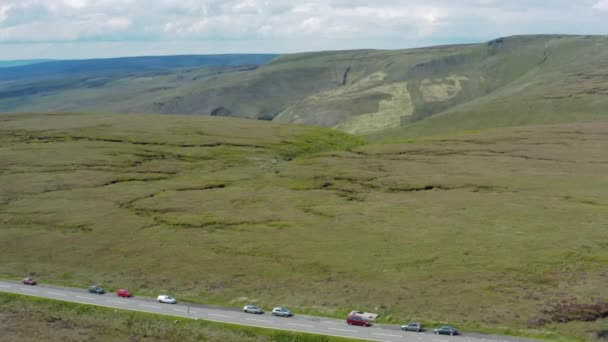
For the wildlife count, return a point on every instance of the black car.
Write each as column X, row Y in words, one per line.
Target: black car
column 96, row 289
column 412, row 326
column 446, row 330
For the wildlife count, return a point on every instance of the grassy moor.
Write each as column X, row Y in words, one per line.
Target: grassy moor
column 493, row 230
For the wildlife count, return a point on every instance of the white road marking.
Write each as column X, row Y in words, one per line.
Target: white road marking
column 216, row 315
column 89, row 298
column 56, row 294
column 5, row 286
column 149, row 306
column 259, row 320
column 387, row 335
column 31, row 290
column 330, row 322
column 180, row 310
column 354, row 331
column 115, row 301
column 301, row 325
column 441, row 340
column 192, row 312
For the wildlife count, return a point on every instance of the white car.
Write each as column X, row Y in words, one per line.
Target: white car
column 166, row 299
column 281, row 311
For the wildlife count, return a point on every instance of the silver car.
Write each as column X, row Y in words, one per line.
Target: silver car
column 281, row 311
column 253, row 309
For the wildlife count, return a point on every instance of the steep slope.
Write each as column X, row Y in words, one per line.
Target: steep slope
column 508, row 81
column 571, row 84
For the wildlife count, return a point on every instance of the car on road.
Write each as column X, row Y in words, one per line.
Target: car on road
column 253, row 309
column 29, row 281
column 124, row 293
column 96, row 289
column 166, row 299
column 358, row 320
column 446, row 330
column 281, row 311
column 412, row 326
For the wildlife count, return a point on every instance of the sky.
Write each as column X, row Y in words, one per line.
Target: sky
column 68, row 29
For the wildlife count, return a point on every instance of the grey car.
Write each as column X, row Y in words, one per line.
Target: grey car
column 412, row 326
column 446, row 330
column 96, row 289
column 253, row 309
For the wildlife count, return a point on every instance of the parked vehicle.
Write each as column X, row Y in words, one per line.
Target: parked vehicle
column 446, row 330
column 166, row 299
column 253, row 309
column 96, row 289
column 124, row 293
column 358, row 320
column 29, row 281
column 412, row 326
column 281, row 311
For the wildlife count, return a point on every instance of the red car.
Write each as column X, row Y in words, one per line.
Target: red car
column 124, row 293
column 357, row 320
column 29, row 281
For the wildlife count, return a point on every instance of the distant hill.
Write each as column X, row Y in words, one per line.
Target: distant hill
column 128, row 64
column 508, row 81
column 9, row 64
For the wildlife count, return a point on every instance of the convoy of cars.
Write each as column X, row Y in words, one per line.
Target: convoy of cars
column 354, row 318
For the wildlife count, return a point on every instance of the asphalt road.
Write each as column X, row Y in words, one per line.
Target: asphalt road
column 298, row 323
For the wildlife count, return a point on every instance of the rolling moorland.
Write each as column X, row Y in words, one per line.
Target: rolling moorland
column 509, row 81
column 498, row 230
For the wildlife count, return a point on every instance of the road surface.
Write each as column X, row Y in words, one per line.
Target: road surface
column 298, row 323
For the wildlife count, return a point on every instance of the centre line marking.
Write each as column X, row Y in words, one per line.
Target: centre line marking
column 5, row 286
column 180, row 310
column 387, row 335
column 56, row 294
column 346, row 330
column 330, row 322
column 31, row 290
column 441, row 340
column 301, row 325
column 216, row 315
column 149, row 306
column 89, row 298
column 258, row 320
column 115, row 301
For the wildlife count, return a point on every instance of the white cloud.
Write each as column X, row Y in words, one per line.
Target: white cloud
column 313, row 24
column 601, row 5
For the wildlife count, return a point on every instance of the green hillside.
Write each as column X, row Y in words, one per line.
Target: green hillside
column 502, row 230
column 505, row 82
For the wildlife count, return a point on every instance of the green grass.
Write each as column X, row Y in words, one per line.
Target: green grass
column 484, row 230
column 37, row 319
